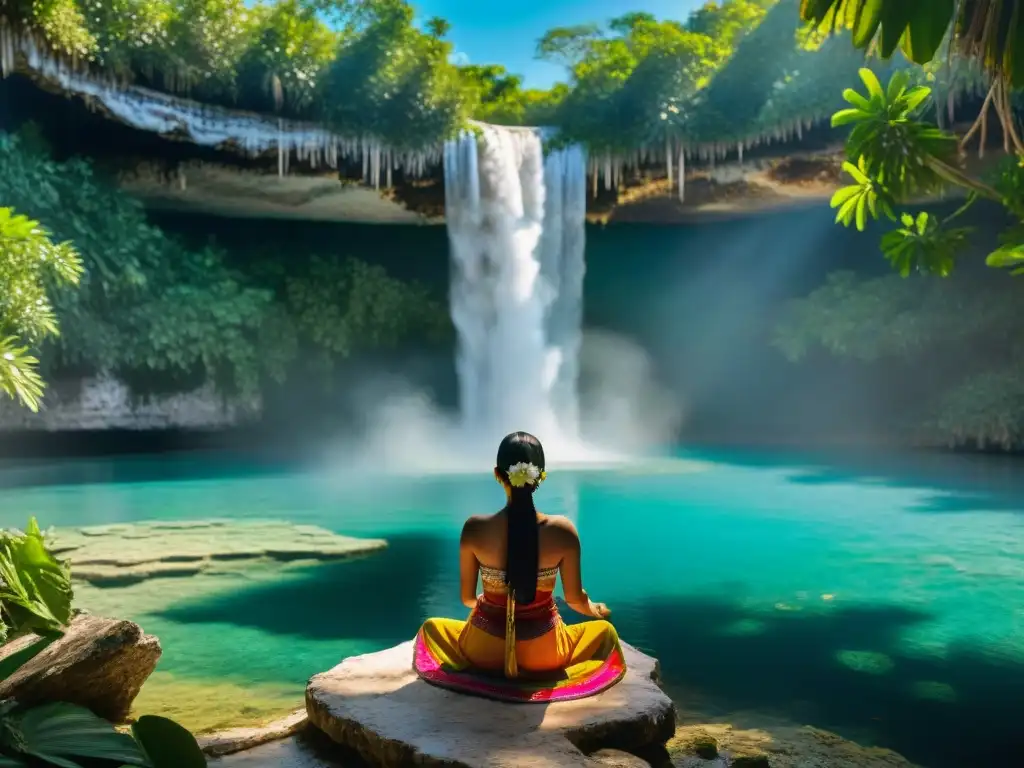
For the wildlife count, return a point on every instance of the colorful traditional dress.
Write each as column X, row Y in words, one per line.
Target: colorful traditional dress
column 515, row 652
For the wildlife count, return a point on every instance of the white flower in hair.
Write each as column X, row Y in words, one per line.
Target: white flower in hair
column 522, row 474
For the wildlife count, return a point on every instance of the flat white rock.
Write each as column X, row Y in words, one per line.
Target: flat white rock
column 376, row 705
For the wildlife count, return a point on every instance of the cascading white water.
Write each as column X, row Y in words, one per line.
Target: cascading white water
column 516, row 230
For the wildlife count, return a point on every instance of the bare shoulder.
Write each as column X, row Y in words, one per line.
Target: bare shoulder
column 475, row 526
column 562, row 528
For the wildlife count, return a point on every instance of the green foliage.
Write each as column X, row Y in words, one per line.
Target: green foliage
column 958, row 335
column 895, row 156
column 149, row 307
column 631, row 83
column 990, row 32
column 35, row 588
column 924, row 244
column 144, row 302
column 30, row 262
column 343, row 307
column 734, row 70
column 904, row 155
column 394, row 82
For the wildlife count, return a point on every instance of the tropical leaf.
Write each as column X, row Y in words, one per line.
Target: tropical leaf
column 36, row 589
column 167, row 744
column 58, row 733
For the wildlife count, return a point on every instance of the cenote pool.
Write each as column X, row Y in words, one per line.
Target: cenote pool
column 881, row 599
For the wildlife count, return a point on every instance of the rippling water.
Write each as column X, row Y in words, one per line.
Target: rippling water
column 881, row 599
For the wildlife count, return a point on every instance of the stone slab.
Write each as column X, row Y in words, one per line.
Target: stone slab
column 240, row 739
column 122, row 554
column 377, row 706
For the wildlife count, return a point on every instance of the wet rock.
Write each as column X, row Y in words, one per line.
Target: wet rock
column 705, row 745
column 750, row 761
column 241, row 739
column 759, row 741
column 613, row 758
column 376, row 705
column 99, row 663
column 307, row 749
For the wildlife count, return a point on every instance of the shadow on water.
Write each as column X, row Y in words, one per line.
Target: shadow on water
column 954, row 712
column 373, row 598
column 949, row 482
column 958, row 711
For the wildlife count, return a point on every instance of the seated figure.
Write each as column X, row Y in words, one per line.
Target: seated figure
column 515, row 646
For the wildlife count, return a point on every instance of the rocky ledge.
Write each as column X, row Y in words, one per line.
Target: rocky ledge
column 376, row 706
column 123, row 554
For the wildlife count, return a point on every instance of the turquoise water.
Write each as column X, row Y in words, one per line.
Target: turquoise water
column 880, row 599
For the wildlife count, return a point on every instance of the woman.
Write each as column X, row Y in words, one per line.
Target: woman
column 514, row 627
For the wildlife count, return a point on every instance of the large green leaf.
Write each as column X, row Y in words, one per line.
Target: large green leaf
column 928, row 25
column 167, row 744
column 61, row 732
column 36, row 591
column 869, row 15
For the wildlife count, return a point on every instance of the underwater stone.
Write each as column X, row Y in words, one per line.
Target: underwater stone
column 705, row 746
column 123, row 554
column 614, row 758
column 376, row 705
column 766, row 741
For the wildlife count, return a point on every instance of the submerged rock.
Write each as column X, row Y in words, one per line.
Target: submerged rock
column 376, row 705
column 614, row 758
column 123, row 554
column 766, row 743
column 99, row 663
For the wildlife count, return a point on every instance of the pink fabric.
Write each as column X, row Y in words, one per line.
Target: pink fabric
column 522, row 691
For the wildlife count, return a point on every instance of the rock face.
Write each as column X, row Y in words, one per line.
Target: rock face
column 99, row 663
column 122, row 554
column 376, row 705
column 104, row 402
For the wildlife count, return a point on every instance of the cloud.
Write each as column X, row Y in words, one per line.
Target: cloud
column 459, row 58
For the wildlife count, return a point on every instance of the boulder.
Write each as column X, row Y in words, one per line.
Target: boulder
column 99, row 663
column 377, row 706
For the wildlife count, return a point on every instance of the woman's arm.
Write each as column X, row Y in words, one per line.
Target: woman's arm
column 572, row 578
column 469, row 566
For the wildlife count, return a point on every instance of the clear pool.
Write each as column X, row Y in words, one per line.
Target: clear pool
column 880, row 598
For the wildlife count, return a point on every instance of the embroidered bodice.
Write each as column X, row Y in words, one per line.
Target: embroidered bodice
column 494, row 579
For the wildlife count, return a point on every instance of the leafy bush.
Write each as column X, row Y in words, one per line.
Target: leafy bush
column 29, row 261
column 957, row 335
column 372, row 71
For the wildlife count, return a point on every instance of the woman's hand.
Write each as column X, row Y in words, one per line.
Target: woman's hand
column 600, row 610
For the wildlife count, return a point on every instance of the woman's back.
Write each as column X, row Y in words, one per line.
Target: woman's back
column 485, row 547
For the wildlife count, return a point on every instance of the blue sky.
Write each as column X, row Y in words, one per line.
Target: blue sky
column 489, row 32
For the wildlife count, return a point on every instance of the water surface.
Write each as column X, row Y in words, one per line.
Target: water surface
column 879, row 598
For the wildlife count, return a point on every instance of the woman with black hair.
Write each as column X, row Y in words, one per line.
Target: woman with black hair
column 515, row 645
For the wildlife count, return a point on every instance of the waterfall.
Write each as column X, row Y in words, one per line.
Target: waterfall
column 516, row 232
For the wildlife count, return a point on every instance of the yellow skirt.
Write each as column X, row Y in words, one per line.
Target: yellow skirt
column 563, row 662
